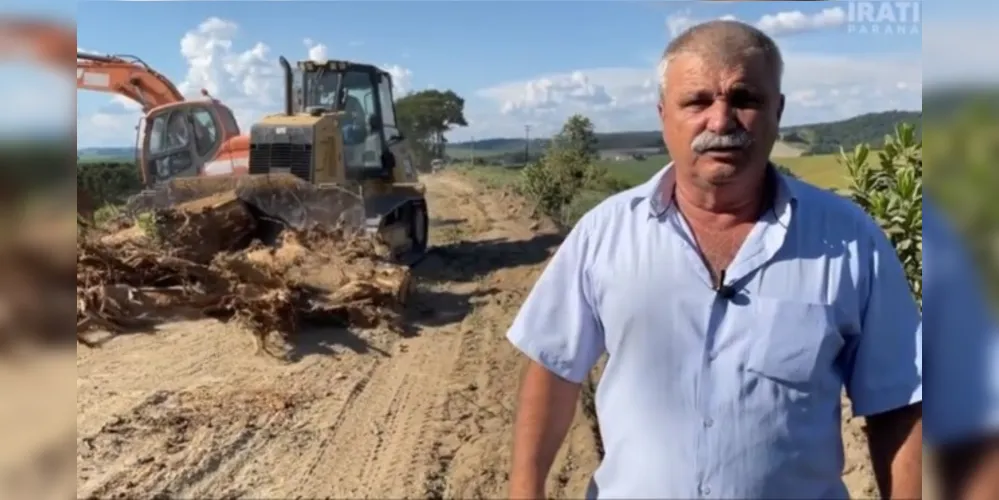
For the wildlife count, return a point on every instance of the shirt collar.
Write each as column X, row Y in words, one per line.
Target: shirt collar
column 660, row 192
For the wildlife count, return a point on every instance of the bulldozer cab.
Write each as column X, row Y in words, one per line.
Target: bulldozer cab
column 361, row 96
column 178, row 139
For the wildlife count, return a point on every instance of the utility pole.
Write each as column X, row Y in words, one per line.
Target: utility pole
column 473, row 151
column 527, row 144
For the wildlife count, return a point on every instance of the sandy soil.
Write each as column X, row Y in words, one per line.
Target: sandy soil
column 189, row 412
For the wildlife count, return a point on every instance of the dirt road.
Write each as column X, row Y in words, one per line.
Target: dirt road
column 190, row 412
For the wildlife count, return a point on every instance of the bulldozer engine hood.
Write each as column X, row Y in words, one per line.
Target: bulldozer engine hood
column 296, row 129
column 282, row 144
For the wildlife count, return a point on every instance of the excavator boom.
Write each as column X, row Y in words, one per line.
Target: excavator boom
column 128, row 76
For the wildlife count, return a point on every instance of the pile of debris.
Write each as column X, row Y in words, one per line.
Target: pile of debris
column 200, row 260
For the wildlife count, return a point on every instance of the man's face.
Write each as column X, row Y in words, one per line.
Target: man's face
column 720, row 120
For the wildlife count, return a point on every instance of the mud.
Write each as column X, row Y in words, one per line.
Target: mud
column 360, row 410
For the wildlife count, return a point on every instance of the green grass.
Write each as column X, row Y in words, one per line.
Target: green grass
column 468, row 153
column 493, row 177
column 822, row 170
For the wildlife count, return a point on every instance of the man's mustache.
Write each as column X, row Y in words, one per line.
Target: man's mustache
column 708, row 141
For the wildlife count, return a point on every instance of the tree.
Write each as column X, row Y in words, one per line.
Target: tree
column 108, row 183
column 577, row 135
column 425, row 116
column 891, row 191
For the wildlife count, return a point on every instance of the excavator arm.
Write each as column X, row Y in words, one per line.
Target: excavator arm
column 128, row 76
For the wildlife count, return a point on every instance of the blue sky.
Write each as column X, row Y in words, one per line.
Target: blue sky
column 515, row 63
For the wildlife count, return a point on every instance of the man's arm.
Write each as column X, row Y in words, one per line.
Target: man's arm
column 895, row 440
column 962, row 342
column 557, row 329
column 544, row 413
column 884, row 376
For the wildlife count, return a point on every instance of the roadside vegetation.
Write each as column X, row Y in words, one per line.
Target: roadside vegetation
column 569, row 179
column 884, row 177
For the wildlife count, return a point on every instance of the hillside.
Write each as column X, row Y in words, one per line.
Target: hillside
column 815, row 138
column 870, row 128
column 105, row 154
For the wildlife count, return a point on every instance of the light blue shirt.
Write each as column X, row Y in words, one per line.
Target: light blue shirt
column 962, row 340
column 704, row 397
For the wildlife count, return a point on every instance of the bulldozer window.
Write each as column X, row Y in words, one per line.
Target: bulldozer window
column 363, row 150
column 388, row 108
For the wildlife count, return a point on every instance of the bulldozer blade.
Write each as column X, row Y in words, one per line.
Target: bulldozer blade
column 283, row 199
column 179, row 191
column 297, row 204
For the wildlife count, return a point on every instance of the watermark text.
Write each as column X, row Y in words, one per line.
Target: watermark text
column 883, row 18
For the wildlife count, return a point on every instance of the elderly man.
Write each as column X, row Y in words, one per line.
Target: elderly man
column 962, row 342
column 734, row 304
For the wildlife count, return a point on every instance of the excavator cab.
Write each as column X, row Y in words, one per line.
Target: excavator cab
column 183, row 140
column 179, row 140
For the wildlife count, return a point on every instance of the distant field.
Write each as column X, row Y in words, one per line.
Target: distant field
column 821, row 170
column 102, row 159
column 467, row 153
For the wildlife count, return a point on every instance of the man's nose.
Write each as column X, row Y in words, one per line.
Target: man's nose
column 721, row 117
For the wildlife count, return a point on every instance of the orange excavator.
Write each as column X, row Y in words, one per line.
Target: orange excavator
column 179, row 138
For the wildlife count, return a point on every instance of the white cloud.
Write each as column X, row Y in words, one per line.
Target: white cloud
column 402, row 78
column 776, row 25
column 819, row 87
column 317, row 51
column 244, row 75
column 791, row 22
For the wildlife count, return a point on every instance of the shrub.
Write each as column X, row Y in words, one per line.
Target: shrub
column 891, row 191
column 109, row 183
column 554, row 181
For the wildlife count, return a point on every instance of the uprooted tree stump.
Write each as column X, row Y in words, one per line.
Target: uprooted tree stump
column 192, row 268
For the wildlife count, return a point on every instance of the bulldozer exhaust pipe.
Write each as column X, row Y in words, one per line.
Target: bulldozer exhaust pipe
column 287, row 86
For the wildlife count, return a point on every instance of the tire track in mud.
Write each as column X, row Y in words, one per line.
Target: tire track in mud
column 380, row 443
column 472, row 447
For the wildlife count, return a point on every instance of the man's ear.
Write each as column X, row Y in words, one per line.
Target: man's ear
column 780, row 108
column 661, row 110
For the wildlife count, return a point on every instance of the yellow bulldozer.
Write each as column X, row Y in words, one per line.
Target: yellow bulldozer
column 335, row 155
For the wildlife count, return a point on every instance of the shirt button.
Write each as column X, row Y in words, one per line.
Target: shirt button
column 708, row 422
column 705, row 490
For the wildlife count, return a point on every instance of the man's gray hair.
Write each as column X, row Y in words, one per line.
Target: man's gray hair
column 726, row 41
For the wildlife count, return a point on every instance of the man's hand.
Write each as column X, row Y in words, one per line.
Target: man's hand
column 895, row 439
column 544, row 413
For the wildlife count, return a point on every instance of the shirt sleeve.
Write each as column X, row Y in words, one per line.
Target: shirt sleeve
column 962, row 342
column 557, row 325
column 885, row 371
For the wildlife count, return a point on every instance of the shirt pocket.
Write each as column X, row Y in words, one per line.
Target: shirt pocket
column 796, row 342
